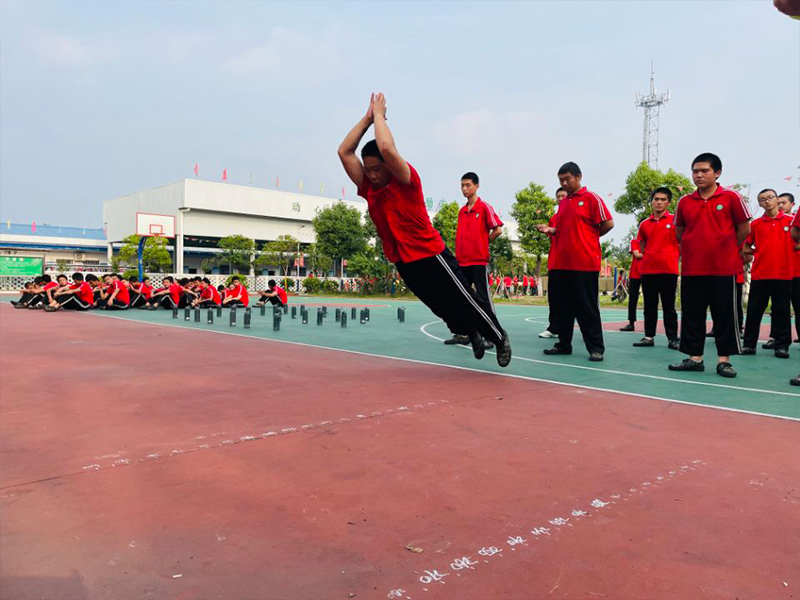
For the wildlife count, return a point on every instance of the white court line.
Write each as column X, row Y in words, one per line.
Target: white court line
column 658, row 377
column 459, row 368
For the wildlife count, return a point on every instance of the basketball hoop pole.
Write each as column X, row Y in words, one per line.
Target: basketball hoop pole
column 140, row 254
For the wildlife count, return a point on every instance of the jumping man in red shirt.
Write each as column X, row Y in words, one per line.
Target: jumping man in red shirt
column 770, row 243
column 478, row 225
column 657, row 252
column 710, row 224
column 396, row 204
column 582, row 219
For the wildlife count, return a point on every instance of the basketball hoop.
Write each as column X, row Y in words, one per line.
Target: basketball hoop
column 152, row 225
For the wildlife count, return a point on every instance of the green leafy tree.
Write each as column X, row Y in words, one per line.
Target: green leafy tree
column 340, row 233
column 532, row 206
column 155, row 256
column 368, row 264
column 371, row 233
column 317, row 261
column 237, row 253
column 281, row 252
column 446, row 222
column 640, row 184
column 500, row 252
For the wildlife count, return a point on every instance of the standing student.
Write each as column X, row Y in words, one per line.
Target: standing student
column 770, row 243
column 478, row 224
column 583, row 218
column 786, row 206
column 657, row 251
column 275, row 295
column 393, row 190
column 551, row 331
column 634, row 285
column 710, row 224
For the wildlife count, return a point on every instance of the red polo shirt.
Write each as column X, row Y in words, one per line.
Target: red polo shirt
column 472, row 234
column 507, row 281
column 50, row 285
column 282, row 294
column 240, row 290
column 576, row 243
column 146, row 290
column 661, row 248
column 124, row 294
column 175, row 291
column 85, row 293
column 211, row 293
column 403, row 224
column 772, row 248
column 708, row 245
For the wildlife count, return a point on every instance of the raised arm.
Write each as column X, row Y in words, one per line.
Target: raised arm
column 396, row 164
column 347, row 149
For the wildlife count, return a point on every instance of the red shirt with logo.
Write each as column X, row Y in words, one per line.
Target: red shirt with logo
column 708, row 244
column 661, row 248
column 146, row 290
column 241, row 292
column 472, row 234
column 398, row 211
column 124, row 294
column 576, row 242
column 85, row 293
column 210, row 293
column 773, row 249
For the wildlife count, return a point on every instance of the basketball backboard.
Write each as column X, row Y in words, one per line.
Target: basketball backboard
column 153, row 225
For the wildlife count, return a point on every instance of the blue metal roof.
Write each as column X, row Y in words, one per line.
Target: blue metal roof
column 88, row 233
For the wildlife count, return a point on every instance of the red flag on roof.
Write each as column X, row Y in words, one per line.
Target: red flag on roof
column 33, row 227
column 342, row 192
column 224, row 174
column 196, row 169
column 278, row 181
column 788, row 178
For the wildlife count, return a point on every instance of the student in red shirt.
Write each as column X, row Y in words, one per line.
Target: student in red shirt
column 32, row 292
column 770, row 243
column 551, row 331
column 237, row 295
column 710, row 224
column 583, row 219
column 167, row 296
column 140, row 292
column 207, row 295
column 393, row 190
column 77, row 296
column 478, row 225
column 786, row 206
column 657, row 251
column 275, row 295
column 634, row 285
column 118, row 296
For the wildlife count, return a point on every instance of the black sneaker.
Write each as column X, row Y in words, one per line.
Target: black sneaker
column 725, row 369
column 596, row 357
column 49, row 308
column 795, row 380
column 488, row 345
column 555, row 350
column 504, row 351
column 477, row 346
column 674, row 345
column 769, row 345
column 781, row 353
column 457, row 339
column 645, row 342
column 710, row 333
column 15, row 303
column 628, row 327
column 747, row 351
column 687, row 364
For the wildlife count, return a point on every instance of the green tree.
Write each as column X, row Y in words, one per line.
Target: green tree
column 340, row 233
column 640, row 184
column 237, row 253
column 500, row 252
column 446, row 222
column 532, row 206
column 281, row 252
column 368, row 264
column 155, row 256
column 317, row 261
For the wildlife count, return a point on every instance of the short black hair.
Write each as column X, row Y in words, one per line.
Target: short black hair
column 371, row 149
column 271, row 283
column 712, row 159
column 198, row 278
column 134, row 278
column 662, row 190
column 183, row 281
column 39, row 279
column 766, row 190
column 117, row 275
column 60, row 275
column 473, row 177
column 235, row 278
column 47, row 278
column 789, row 196
column 561, row 190
column 206, row 280
column 571, row 168
column 145, row 278
column 168, row 278
column 91, row 277
column 220, row 288
column 77, row 277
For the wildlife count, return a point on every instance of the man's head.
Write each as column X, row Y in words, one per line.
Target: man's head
column 92, row 280
column 116, row 276
column 220, row 288
column 768, row 199
column 77, row 277
column 374, row 167
column 39, row 280
column 660, row 199
column 206, row 282
column 47, row 278
column 271, row 284
column 168, row 280
column 469, row 184
column 706, row 169
column 786, row 203
column 569, row 176
column 107, row 279
column 235, row 281
column 561, row 193
column 62, row 279
column 28, row 285
column 146, row 280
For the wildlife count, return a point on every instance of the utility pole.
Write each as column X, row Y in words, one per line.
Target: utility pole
column 651, row 104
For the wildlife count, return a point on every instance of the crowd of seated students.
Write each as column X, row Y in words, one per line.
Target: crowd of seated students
column 113, row 292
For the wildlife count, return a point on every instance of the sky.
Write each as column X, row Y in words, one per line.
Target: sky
column 100, row 99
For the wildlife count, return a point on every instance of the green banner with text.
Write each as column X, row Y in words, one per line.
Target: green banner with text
column 22, row 266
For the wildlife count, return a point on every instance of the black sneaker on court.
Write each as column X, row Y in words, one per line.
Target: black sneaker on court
column 674, row 345
column 628, row 327
column 555, row 350
column 596, row 357
column 725, row 369
column 504, row 351
column 456, row 339
column 795, row 380
column 687, row 364
column 645, row 342
column 747, row 351
column 781, row 353
column 478, row 348
column 768, row 345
